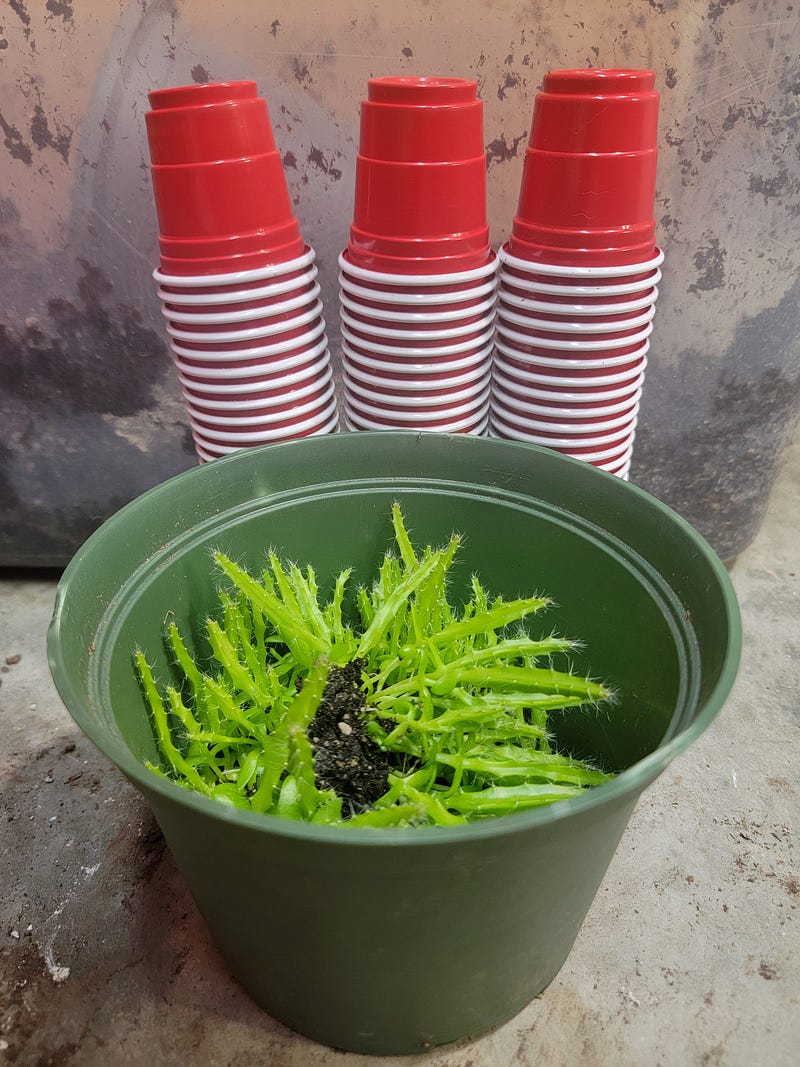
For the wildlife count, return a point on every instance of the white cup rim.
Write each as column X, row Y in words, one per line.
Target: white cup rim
column 561, row 271
column 227, row 450
column 381, row 296
column 253, row 334
column 411, row 400
column 411, row 352
column 573, row 346
column 591, row 457
column 565, row 414
column 230, row 390
column 412, row 417
column 570, row 395
column 592, row 291
column 260, row 420
column 588, row 380
column 413, row 317
column 572, row 364
column 261, row 437
column 548, row 326
column 238, row 296
column 451, row 278
column 253, row 404
column 577, row 311
column 416, row 335
column 270, row 368
column 454, row 427
column 472, row 360
column 364, row 377
column 233, row 355
column 273, row 270
column 268, row 311
column 568, row 430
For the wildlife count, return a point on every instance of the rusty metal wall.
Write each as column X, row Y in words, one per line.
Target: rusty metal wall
column 90, row 413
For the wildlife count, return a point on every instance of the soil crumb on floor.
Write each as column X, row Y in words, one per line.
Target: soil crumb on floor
column 345, row 758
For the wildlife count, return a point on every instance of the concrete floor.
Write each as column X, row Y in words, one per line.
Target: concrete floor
column 690, row 954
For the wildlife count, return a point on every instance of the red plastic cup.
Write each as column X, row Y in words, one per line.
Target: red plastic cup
column 420, row 183
column 588, row 184
column 421, row 120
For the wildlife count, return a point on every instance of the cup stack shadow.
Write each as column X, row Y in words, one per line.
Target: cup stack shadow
column 418, row 277
column 579, row 274
column 237, row 283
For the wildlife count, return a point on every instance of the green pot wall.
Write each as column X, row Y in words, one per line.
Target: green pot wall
column 387, row 941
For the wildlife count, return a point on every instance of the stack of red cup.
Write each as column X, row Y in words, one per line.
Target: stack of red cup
column 237, row 283
column 418, row 278
column 579, row 277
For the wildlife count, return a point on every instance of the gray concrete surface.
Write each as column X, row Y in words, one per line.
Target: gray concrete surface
column 690, row 954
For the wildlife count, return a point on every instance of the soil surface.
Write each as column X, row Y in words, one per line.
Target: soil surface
column 345, row 758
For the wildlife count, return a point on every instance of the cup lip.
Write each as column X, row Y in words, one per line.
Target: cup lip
column 231, row 387
column 413, row 417
column 261, row 420
column 235, row 355
column 268, row 367
column 239, row 296
column 573, row 364
column 267, row 311
column 410, row 400
column 253, row 334
column 560, row 271
column 227, row 450
column 472, row 360
column 469, row 431
column 271, row 270
column 413, row 386
column 453, row 427
column 578, row 310
column 272, row 402
column 507, row 398
column 570, row 326
column 381, row 296
column 589, row 380
column 417, row 316
column 452, row 277
column 591, row 291
column 261, row 437
column 401, row 334
column 440, row 350
column 568, row 430
column 572, row 346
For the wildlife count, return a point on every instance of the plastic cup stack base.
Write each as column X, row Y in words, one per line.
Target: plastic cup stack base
column 251, row 355
column 417, row 349
column 570, row 356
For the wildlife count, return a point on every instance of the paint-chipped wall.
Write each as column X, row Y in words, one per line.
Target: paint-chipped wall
column 90, row 413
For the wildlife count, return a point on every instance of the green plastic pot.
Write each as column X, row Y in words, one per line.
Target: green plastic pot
column 390, row 941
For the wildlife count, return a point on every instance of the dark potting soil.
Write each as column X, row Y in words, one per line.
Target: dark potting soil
column 346, row 760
